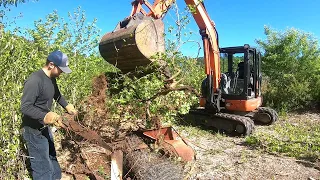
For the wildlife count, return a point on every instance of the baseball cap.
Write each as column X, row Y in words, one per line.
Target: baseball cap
column 60, row 59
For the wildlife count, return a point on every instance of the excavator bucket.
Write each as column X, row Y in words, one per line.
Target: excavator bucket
column 171, row 141
column 134, row 42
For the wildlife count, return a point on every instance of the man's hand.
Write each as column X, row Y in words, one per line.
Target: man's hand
column 71, row 110
column 53, row 118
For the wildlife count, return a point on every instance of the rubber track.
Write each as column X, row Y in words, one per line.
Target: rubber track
column 230, row 118
column 271, row 112
column 247, row 122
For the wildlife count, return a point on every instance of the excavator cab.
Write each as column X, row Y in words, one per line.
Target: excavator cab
column 241, row 77
column 240, row 102
column 240, row 84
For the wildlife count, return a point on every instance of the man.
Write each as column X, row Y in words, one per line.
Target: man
column 39, row 91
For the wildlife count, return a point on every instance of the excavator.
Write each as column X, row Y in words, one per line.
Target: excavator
column 231, row 99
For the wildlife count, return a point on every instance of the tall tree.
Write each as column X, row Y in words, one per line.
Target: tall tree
column 6, row 3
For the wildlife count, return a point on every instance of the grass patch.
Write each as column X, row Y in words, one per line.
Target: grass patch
column 300, row 140
column 194, row 131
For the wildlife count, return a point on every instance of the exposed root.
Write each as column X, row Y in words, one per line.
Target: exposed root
column 146, row 165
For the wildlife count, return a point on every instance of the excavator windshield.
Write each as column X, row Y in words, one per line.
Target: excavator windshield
column 237, row 69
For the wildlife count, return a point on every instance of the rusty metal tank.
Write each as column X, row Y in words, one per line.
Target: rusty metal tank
column 135, row 42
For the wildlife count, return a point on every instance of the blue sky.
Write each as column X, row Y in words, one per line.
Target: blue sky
column 238, row 22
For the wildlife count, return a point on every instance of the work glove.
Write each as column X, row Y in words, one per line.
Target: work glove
column 71, row 110
column 53, row 118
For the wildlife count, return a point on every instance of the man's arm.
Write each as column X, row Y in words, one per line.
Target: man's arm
column 31, row 91
column 57, row 95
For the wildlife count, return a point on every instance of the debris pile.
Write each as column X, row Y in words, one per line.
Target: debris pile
column 93, row 135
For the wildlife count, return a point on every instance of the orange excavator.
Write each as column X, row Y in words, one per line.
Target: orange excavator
column 231, row 93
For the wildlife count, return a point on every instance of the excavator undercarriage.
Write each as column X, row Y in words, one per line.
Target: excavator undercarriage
column 230, row 124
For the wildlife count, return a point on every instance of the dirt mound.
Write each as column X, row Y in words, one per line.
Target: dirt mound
column 96, row 115
column 95, row 129
column 85, row 149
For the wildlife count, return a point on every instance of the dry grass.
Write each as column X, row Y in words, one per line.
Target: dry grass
column 222, row 157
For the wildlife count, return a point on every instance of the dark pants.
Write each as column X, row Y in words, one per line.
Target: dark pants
column 42, row 154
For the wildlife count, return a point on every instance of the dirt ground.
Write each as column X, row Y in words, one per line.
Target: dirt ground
column 221, row 157
column 217, row 157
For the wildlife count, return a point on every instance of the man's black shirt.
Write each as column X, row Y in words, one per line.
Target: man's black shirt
column 38, row 94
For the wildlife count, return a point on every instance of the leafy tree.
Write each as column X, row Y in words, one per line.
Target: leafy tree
column 5, row 3
column 291, row 63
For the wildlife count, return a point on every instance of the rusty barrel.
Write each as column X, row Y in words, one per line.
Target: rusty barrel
column 133, row 46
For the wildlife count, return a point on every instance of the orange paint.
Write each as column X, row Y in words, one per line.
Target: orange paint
column 243, row 105
column 202, row 101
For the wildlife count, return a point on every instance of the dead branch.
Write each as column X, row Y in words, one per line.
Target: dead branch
column 174, row 76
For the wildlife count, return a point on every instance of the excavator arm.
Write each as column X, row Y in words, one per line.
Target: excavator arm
column 205, row 24
column 157, row 10
column 137, row 39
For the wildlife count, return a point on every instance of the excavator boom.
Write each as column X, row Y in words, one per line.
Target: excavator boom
column 210, row 40
column 138, row 40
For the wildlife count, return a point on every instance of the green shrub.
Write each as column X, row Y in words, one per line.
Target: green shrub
column 291, row 64
column 299, row 140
